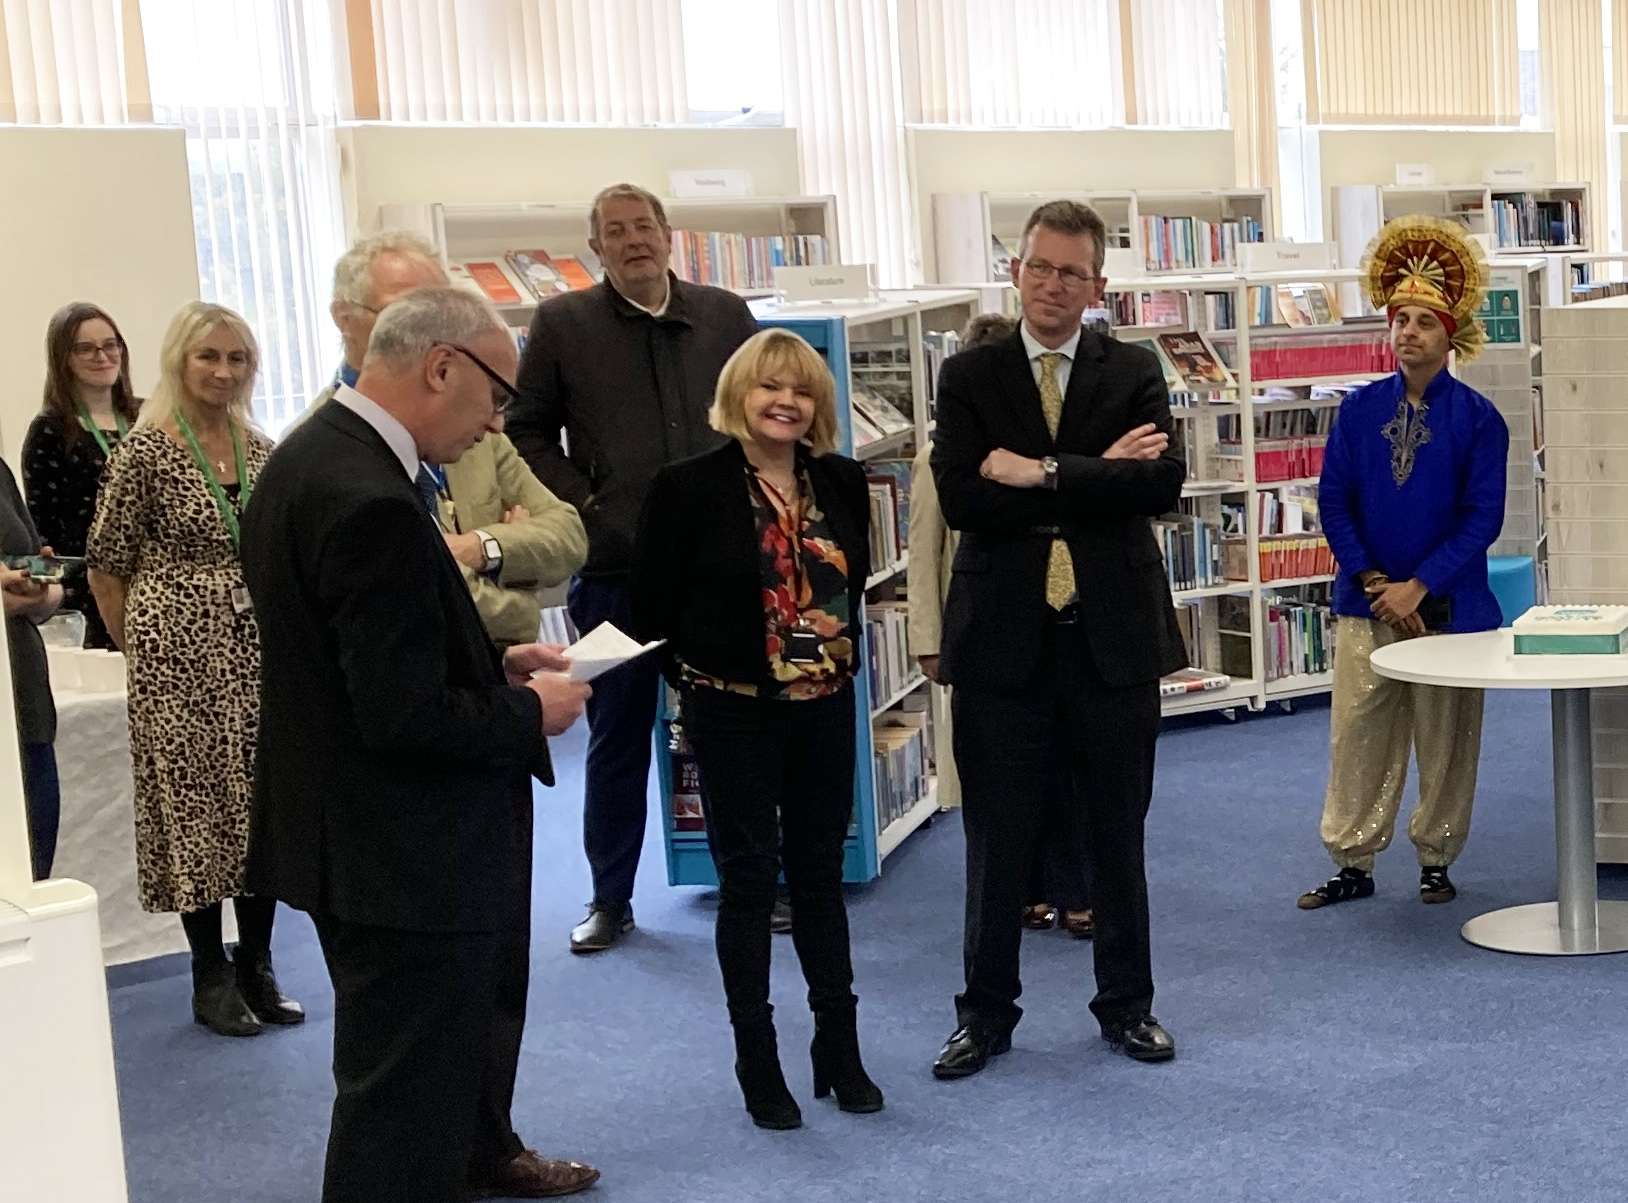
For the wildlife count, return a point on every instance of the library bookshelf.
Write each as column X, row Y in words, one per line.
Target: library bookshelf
column 747, row 234
column 883, row 351
column 1149, row 232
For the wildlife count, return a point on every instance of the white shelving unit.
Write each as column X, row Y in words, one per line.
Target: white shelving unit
column 463, row 232
column 1585, row 356
column 966, row 225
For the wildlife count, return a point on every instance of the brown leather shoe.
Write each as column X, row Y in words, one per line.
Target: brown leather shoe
column 530, row 1176
column 1039, row 916
column 1082, row 925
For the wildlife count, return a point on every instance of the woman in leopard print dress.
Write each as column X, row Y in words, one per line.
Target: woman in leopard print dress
column 164, row 567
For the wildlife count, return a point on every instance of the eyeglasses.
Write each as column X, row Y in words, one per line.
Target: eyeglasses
column 1072, row 277
column 111, row 348
column 510, row 393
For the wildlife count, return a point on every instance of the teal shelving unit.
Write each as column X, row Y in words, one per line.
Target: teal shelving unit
column 895, row 320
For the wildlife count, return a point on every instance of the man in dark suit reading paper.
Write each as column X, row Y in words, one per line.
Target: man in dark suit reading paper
column 1052, row 451
column 392, row 796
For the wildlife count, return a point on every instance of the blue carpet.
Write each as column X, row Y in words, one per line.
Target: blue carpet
column 1363, row 1052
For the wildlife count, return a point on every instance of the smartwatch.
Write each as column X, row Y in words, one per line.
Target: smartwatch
column 1048, row 465
column 493, row 551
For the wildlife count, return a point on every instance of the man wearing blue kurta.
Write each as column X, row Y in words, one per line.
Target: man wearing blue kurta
column 1411, row 498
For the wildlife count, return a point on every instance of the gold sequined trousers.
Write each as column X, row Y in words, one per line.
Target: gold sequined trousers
column 1374, row 723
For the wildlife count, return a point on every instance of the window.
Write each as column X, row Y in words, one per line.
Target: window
column 732, row 62
column 252, row 82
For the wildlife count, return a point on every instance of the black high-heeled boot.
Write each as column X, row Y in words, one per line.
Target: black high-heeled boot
column 757, row 1069
column 216, row 1002
column 258, row 986
column 835, row 1053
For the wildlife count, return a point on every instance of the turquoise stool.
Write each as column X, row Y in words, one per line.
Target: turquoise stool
column 1514, row 584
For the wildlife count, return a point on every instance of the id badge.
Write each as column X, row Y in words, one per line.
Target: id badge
column 240, row 600
column 803, row 644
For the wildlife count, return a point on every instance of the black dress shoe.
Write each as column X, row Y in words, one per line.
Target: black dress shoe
column 1142, row 1039
column 607, row 922
column 780, row 918
column 258, row 986
column 969, row 1050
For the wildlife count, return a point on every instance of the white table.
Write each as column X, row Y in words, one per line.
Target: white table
column 1577, row 923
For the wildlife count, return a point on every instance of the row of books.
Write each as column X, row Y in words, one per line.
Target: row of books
column 1191, row 243
column 1192, row 680
column 936, row 347
column 890, row 511
column 872, row 418
column 742, row 261
column 526, row 277
column 887, row 638
column 1188, row 360
column 901, row 763
column 1521, row 220
column 1299, row 638
column 1275, row 459
column 1286, row 358
column 1282, row 557
column 1192, row 551
column 1220, row 309
column 1288, row 511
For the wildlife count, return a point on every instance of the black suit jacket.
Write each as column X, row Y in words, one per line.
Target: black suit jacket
column 996, row 612
column 697, row 577
column 390, row 779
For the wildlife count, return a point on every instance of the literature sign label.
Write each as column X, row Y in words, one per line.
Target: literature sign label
column 1508, row 174
column 1284, row 256
column 849, row 282
column 723, row 182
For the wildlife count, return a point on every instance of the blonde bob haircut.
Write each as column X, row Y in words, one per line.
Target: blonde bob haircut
column 768, row 353
column 190, row 326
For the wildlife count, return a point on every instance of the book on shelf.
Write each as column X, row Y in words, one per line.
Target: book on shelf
column 1282, row 357
column 936, row 347
column 742, row 261
column 1281, row 557
column 886, row 545
column 1299, row 637
column 490, row 278
column 1192, row 550
column 1307, row 305
column 882, row 415
column 1001, row 255
column 1291, row 510
column 1523, row 220
column 890, row 665
column 1172, row 378
column 896, row 474
column 901, row 763
column 1191, row 243
column 863, row 432
column 1192, row 680
column 1289, row 445
column 1196, row 364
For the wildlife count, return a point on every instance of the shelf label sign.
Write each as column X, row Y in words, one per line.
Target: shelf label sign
column 1119, row 263
column 1415, row 173
column 1509, row 173
column 723, row 182
column 1284, row 256
column 848, row 282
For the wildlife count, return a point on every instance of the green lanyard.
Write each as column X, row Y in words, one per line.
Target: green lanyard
column 227, row 513
column 96, row 431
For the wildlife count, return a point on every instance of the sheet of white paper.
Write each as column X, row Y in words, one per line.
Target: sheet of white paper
column 602, row 649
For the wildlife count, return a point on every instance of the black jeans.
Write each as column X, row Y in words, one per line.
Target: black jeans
column 621, row 726
column 777, row 786
column 42, row 794
column 1009, row 749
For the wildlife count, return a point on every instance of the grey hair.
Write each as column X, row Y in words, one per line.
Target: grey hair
column 351, row 281
column 423, row 317
column 625, row 192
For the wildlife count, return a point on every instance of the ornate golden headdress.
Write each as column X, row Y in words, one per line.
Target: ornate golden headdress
column 1432, row 262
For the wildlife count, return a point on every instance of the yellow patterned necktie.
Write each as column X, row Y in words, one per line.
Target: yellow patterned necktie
column 1060, row 588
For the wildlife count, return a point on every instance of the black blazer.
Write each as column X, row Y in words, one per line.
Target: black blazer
column 995, row 614
column 390, row 779
column 697, row 577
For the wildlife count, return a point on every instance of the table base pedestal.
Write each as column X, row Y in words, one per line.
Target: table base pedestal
column 1534, row 930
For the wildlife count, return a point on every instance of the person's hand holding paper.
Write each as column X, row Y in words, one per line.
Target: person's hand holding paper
column 602, row 649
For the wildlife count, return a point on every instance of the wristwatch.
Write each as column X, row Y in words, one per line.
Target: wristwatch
column 493, row 551
column 1048, row 465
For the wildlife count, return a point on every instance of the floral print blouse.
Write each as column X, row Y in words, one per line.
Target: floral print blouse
column 805, row 576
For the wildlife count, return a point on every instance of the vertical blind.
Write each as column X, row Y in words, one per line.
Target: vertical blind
column 62, row 62
column 1179, row 73
column 1252, row 98
column 1572, row 34
column 844, row 95
column 1619, row 61
column 1411, row 62
column 610, row 62
column 252, row 81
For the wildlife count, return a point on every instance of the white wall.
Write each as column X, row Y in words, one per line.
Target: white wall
column 394, row 164
column 102, row 215
column 954, row 160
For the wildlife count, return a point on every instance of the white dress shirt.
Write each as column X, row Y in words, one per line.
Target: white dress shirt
column 1034, row 350
column 390, row 430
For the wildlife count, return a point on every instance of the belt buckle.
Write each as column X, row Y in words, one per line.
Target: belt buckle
column 1068, row 615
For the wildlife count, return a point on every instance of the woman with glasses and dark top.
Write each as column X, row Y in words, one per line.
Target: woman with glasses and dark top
column 751, row 561
column 89, row 406
column 164, row 565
